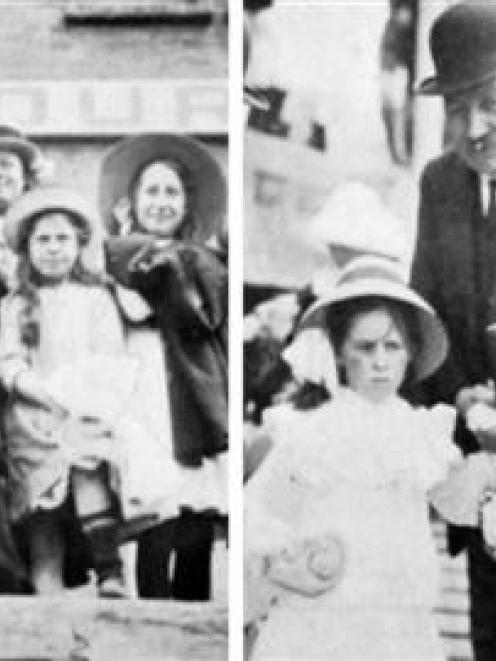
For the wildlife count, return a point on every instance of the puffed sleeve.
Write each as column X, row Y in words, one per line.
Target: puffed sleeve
column 458, row 498
column 436, row 451
column 14, row 356
column 106, row 327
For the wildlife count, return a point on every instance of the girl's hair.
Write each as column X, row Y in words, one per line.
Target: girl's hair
column 309, row 395
column 339, row 320
column 28, row 280
column 185, row 230
column 32, row 176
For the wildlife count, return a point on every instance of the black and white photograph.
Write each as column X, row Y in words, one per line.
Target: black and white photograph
column 114, row 330
column 369, row 402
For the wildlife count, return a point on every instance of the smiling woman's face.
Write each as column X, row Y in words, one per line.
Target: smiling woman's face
column 160, row 200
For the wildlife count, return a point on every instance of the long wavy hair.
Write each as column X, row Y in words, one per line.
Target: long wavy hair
column 186, row 229
column 29, row 280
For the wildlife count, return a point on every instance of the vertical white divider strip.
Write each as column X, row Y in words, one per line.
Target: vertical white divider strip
column 235, row 210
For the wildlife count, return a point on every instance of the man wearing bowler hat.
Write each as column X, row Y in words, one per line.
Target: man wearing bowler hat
column 455, row 259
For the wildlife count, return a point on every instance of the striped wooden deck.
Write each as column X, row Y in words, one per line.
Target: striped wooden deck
column 453, row 608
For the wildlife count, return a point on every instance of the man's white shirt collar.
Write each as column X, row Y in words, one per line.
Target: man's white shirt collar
column 485, row 193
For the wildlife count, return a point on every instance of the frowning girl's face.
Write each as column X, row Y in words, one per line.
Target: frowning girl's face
column 53, row 247
column 375, row 354
column 160, row 200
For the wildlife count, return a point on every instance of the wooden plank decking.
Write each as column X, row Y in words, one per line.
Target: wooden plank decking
column 75, row 629
column 453, row 609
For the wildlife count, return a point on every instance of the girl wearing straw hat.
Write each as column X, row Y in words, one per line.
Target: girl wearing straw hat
column 337, row 522
column 59, row 330
column 162, row 199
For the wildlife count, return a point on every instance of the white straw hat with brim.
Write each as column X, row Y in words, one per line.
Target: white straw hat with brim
column 13, row 140
column 123, row 162
column 354, row 216
column 44, row 199
column 369, row 276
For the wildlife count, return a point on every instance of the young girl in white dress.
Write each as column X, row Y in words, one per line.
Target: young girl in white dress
column 59, row 332
column 337, row 530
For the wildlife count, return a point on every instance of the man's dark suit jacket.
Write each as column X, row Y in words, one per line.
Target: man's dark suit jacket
column 454, row 268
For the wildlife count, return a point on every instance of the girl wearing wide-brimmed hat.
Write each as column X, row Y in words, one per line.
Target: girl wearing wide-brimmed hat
column 337, row 521
column 163, row 199
column 60, row 343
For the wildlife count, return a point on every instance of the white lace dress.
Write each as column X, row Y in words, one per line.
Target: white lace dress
column 360, row 472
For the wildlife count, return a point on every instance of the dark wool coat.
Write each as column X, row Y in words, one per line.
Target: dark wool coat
column 186, row 287
column 454, row 268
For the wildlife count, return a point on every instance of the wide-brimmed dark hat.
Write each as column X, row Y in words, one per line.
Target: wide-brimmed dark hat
column 463, row 47
column 13, row 140
column 123, row 162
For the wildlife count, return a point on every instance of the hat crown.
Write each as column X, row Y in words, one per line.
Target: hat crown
column 369, row 270
column 355, row 216
column 463, row 47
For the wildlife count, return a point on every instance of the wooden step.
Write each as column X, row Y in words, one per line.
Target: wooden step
column 84, row 629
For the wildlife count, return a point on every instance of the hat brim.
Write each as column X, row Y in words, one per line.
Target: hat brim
column 129, row 156
column 434, row 341
column 433, row 85
column 39, row 200
column 27, row 151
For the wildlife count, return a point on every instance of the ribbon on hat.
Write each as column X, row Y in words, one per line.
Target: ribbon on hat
column 369, row 271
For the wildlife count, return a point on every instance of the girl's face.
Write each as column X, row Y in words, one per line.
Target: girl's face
column 160, row 200
column 53, row 247
column 375, row 354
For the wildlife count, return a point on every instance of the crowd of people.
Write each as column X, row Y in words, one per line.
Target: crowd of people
column 113, row 378
column 387, row 407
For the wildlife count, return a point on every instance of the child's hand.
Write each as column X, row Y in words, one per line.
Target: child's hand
column 158, row 253
column 87, row 438
column 481, row 420
column 258, row 594
column 309, row 568
column 480, row 393
column 29, row 387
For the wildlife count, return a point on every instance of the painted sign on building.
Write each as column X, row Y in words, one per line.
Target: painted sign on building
column 115, row 107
